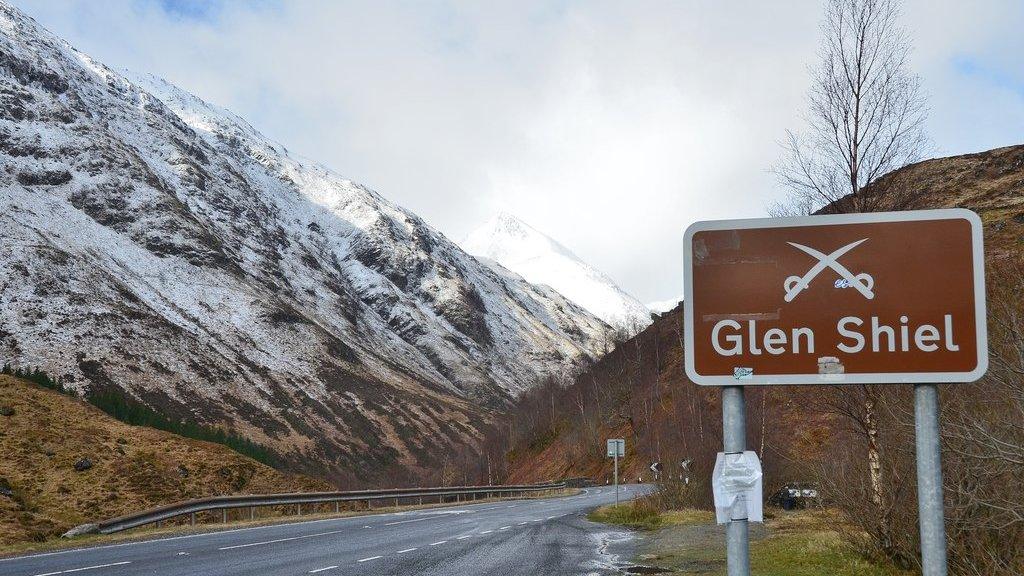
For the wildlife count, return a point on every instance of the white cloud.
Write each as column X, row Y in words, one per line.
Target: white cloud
column 608, row 125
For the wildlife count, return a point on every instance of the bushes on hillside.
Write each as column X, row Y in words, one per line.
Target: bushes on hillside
column 37, row 376
column 130, row 411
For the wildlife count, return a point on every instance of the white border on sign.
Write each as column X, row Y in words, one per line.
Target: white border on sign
column 981, row 319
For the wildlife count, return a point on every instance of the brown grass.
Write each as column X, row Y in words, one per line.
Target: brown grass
column 133, row 467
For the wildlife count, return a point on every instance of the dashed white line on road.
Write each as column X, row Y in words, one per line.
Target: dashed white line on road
column 504, row 528
column 368, row 559
column 279, row 540
column 487, row 531
column 406, row 550
column 464, row 537
column 521, row 524
column 416, row 520
column 439, row 543
column 551, row 517
column 322, row 569
column 84, row 568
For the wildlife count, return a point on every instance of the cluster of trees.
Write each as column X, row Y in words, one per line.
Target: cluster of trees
column 130, row 411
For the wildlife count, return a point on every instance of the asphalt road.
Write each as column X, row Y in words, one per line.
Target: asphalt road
column 530, row 537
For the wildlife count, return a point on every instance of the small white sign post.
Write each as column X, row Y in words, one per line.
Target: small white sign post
column 616, row 449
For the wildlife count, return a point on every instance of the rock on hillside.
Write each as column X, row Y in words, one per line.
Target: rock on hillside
column 45, row 435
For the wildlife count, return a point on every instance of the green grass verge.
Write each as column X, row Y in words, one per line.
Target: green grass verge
column 687, row 542
column 817, row 553
column 636, row 514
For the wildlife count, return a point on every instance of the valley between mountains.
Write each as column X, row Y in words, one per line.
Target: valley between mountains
column 158, row 247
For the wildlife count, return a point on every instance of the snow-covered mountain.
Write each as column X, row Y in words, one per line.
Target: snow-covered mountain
column 663, row 306
column 517, row 246
column 156, row 243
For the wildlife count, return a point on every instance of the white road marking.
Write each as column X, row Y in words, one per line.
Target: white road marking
column 84, row 568
column 512, row 506
column 368, row 559
column 416, row 520
column 439, row 543
column 279, row 540
column 487, row 531
column 504, row 528
column 521, row 524
column 322, row 569
column 464, row 537
column 551, row 517
column 406, row 550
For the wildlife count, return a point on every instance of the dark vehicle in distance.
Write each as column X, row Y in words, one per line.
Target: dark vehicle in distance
column 796, row 495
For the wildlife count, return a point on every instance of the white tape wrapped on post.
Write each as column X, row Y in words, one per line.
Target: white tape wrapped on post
column 736, row 483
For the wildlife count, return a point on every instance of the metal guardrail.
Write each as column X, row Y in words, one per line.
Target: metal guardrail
column 224, row 503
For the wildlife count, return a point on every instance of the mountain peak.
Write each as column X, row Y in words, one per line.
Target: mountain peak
column 509, row 241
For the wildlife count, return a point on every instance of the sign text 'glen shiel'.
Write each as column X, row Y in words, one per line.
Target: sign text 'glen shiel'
column 861, row 298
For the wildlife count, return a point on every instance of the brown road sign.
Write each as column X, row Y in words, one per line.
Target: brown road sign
column 896, row 297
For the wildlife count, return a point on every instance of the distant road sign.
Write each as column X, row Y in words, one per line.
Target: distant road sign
column 859, row 298
column 656, row 467
column 616, row 447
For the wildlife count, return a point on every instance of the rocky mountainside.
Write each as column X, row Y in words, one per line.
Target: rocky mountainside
column 521, row 248
column 155, row 243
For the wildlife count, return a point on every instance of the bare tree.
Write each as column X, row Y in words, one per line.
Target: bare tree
column 866, row 111
column 865, row 118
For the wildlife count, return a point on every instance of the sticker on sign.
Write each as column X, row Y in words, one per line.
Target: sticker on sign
column 896, row 297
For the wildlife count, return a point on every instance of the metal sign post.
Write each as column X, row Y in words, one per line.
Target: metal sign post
column 833, row 300
column 616, row 478
column 929, row 480
column 616, row 448
column 734, row 436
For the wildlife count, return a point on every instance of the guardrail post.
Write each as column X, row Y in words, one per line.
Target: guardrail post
column 298, row 508
column 337, row 507
column 396, row 502
column 193, row 515
column 369, row 504
column 224, row 515
column 252, row 513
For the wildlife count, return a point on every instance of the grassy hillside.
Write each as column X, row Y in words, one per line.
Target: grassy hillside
column 43, row 434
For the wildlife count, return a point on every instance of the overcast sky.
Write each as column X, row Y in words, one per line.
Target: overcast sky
column 608, row 125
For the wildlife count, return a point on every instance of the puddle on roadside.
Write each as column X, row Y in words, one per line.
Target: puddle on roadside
column 644, row 570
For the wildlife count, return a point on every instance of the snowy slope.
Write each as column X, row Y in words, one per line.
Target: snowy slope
column 159, row 244
column 526, row 251
column 663, row 306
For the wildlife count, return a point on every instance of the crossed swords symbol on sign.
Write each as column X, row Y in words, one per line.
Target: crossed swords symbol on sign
column 863, row 282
